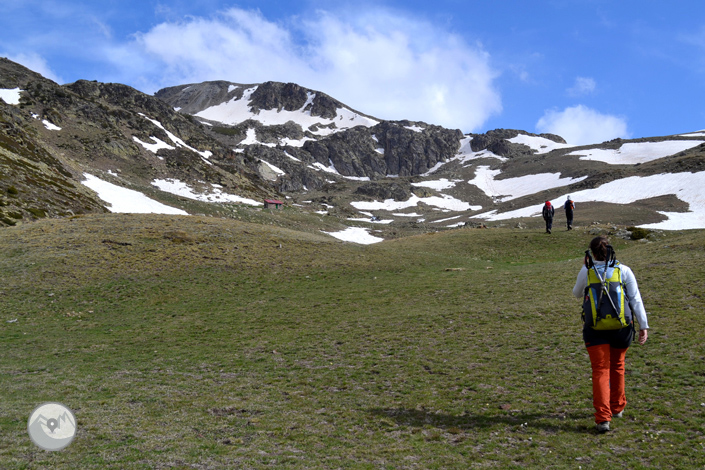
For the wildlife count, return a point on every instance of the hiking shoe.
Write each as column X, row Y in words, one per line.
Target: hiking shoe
column 603, row 426
column 618, row 415
column 549, row 230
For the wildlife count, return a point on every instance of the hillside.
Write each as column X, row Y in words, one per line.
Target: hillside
column 88, row 131
column 201, row 342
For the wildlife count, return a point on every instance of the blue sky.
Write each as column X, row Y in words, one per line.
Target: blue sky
column 589, row 70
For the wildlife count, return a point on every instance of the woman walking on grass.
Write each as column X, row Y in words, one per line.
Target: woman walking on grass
column 607, row 339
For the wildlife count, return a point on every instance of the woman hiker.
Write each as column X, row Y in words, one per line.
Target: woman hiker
column 607, row 347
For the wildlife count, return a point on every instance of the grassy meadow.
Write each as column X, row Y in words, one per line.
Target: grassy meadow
column 199, row 343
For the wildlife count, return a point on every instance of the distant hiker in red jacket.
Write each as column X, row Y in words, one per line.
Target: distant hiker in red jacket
column 548, row 212
column 569, row 207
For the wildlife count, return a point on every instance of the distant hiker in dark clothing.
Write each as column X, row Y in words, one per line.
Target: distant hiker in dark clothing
column 548, row 212
column 569, row 207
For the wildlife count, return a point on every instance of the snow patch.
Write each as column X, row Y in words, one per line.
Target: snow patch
column 440, row 221
column 540, row 144
column 434, row 168
column 125, row 200
column 275, row 169
column 695, row 134
column 513, row 188
column 321, row 167
column 159, row 144
column 250, row 137
column 439, row 185
column 11, row 96
column 292, row 157
column 356, row 178
column 51, row 126
column 444, row 202
column 355, row 235
column 294, row 143
column 180, row 188
column 369, row 220
column 410, row 214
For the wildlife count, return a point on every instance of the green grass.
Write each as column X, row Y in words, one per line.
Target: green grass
column 249, row 346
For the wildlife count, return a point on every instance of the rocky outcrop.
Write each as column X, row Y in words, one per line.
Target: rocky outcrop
column 389, row 148
column 292, row 97
column 351, row 152
column 384, row 190
column 234, row 136
column 409, row 152
column 496, row 141
column 193, row 98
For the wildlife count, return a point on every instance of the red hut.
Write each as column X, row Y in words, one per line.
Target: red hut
column 272, row 204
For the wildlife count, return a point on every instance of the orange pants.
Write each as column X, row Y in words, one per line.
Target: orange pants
column 608, row 395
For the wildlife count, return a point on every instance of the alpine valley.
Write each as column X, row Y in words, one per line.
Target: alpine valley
column 221, row 149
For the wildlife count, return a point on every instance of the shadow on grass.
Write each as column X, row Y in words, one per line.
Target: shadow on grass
column 563, row 422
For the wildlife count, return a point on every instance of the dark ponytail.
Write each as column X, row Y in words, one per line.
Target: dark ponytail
column 601, row 248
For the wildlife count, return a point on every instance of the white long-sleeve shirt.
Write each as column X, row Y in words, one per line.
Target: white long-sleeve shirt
column 635, row 304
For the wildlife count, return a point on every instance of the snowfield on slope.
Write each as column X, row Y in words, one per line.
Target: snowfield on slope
column 637, row 152
column 540, row 144
column 236, row 111
column 444, row 202
column 215, row 194
column 685, row 186
column 513, row 188
column 125, row 200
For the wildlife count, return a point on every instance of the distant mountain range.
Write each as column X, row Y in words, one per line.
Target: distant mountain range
column 93, row 147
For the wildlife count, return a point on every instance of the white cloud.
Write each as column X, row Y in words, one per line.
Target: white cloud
column 34, row 62
column 580, row 125
column 582, row 86
column 379, row 62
